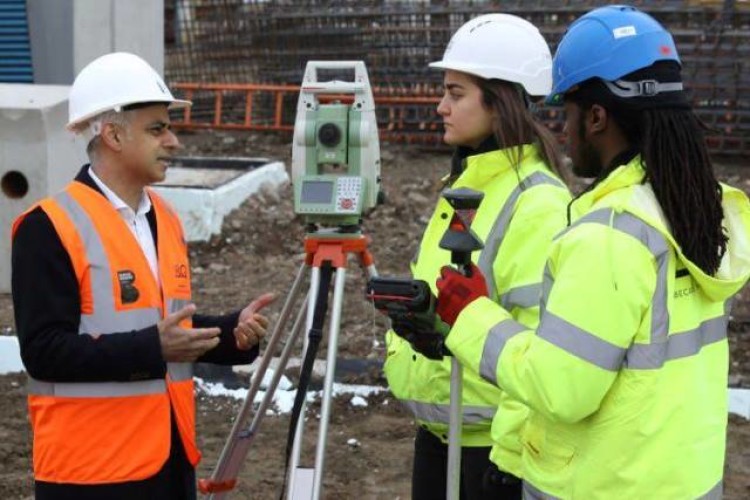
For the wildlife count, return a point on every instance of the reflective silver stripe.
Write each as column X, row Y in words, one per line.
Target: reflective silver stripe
column 521, row 296
column 101, row 276
column 659, row 249
column 96, row 389
column 547, row 282
column 715, row 493
column 180, row 371
column 580, row 343
column 105, row 318
column 493, row 347
column 657, row 245
column 125, row 321
column 497, row 232
column 440, row 414
column 678, row 345
column 598, row 216
column 662, row 346
column 530, row 492
column 601, row 353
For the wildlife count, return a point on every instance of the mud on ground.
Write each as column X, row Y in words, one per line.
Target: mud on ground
column 260, row 249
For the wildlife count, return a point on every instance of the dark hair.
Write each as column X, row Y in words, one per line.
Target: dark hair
column 677, row 164
column 515, row 125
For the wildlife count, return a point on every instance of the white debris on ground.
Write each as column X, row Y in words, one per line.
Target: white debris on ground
column 739, row 402
column 283, row 398
column 10, row 355
column 353, row 443
column 358, row 401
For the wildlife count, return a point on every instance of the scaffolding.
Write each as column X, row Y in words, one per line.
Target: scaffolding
column 212, row 46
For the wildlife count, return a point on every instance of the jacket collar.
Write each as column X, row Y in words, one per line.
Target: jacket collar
column 625, row 175
column 84, row 178
column 458, row 162
column 483, row 167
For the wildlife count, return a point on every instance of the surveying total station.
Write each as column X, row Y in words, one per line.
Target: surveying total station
column 336, row 177
column 336, row 151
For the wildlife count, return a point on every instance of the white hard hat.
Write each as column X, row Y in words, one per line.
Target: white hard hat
column 113, row 81
column 501, row 46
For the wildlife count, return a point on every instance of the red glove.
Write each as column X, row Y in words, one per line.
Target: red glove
column 456, row 291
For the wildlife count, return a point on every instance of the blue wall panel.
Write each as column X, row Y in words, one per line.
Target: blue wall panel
column 15, row 50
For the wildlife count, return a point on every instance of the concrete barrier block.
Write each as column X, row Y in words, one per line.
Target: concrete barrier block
column 203, row 190
column 38, row 156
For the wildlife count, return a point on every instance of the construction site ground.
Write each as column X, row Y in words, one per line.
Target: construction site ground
column 260, row 249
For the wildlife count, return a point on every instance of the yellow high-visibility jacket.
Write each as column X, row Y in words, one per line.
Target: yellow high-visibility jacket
column 523, row 209
column 626, row 375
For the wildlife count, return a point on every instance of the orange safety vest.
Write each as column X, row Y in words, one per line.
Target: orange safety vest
column 109, row 432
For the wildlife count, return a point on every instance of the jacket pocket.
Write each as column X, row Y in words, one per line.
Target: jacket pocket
column 546, row 449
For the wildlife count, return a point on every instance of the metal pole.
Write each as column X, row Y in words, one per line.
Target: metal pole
column 454, row 431
column 333, row 335
column 294, row 491
column 240, row 439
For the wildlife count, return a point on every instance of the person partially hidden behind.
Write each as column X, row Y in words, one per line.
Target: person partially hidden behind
column 102, row 299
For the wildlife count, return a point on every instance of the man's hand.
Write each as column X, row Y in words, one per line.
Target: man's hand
column 251, row 326
column 184, row 345
column 456, row 291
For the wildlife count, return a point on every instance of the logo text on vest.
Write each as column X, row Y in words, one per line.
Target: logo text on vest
column 128, row 291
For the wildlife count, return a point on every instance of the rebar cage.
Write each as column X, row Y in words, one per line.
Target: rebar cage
column 231, row 44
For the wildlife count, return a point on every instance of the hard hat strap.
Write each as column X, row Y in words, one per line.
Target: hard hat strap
column 642, row 88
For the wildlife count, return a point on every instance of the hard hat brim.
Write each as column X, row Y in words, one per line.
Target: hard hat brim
column 171, row 104
column 532, row 88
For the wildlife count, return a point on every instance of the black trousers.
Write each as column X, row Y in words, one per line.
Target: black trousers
column 480, row 478
column 175, row 481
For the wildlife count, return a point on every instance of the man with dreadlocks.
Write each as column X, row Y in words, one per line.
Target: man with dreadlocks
column 626, row 374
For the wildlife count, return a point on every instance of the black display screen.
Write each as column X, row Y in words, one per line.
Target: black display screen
column 317, row 192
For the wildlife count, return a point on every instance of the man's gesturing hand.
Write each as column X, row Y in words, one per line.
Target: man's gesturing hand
column 180, row 344
column 251, row 326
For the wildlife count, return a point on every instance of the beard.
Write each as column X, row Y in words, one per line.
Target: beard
column 588, row 162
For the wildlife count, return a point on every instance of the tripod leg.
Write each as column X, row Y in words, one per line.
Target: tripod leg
column 300, row 479
column 235, row 449
column 279, row 372
column 333, row 334
column 238, row 445
column 371, row 271
column 454, row 431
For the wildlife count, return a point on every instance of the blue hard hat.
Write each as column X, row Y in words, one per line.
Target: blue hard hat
column 608, row 43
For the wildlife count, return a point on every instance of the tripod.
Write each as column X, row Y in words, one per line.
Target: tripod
column 324, row 252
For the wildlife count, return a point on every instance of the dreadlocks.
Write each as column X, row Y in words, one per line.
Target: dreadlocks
column 682, row 177
column 670, row 140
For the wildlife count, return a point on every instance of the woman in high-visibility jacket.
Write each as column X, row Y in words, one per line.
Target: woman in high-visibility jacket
column 492, row 65
column 626, row 374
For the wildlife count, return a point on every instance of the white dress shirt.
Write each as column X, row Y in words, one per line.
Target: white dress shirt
column 136, row 222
